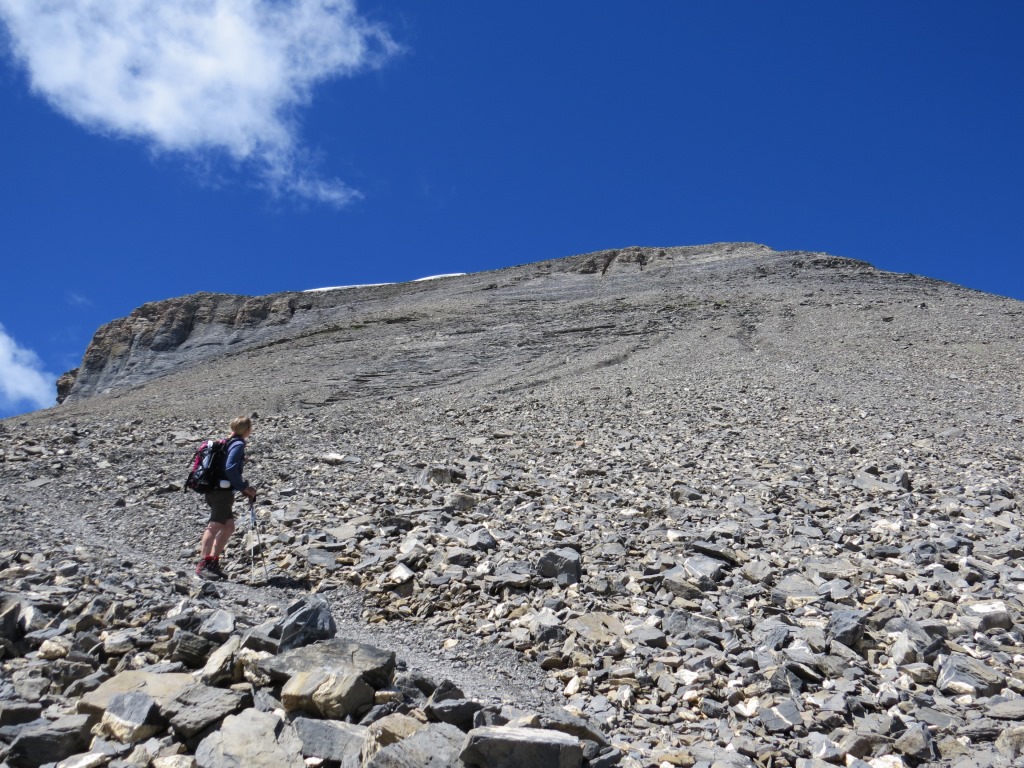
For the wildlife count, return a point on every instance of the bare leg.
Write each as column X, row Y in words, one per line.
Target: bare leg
column 222, row 536
column 214, row 533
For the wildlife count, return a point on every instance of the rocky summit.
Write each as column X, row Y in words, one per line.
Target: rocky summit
column 707, row 506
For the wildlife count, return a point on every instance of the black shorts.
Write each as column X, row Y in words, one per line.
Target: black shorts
column 220, row 503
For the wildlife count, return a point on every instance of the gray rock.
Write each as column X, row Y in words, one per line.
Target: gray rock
column 689, row 624
column 19, row 712
column 861, row 743
column 218, row 627
column 331, row 740
column 191, row 650
column 219, row 666
column 251, row 739
column 458, row 712
column 582, row 728
column 983, row 615
column 163, row 688
column 681, row 493
column 132, row 717
column 648, row 636
column 847, row 627
column 1010, row 744
column 917, row 743
column 794, row 591
column 905, row 649
column 509, row 747
column 199, row 707
column 782, row 718
column 705, row 571
column 335, row 656
column 307, row 621
column 563, row 565
column 868, row 482
column 677, row 581
column 322, row 558
column 49, row 742
column 334, row 695
column 964, row 675
column 717, row 551
column 481, row 540
column 1007, row 710
column 437, row 746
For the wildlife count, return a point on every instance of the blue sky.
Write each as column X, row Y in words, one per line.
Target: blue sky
column 154, row 149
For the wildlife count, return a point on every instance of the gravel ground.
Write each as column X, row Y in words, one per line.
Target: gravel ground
column 781, row 414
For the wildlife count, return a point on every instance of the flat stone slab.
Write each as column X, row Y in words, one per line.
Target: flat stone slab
column 436, row 746
column 964, row 675
column 199, row 706
column 330, row 739
column 1007, row 710
column 49, row 742
column 511, row 747
column 336, row 656
column 251, row 739
column 597, row 627
column 162, row 688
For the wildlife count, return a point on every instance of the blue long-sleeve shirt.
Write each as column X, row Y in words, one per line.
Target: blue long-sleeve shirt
column 234, row 463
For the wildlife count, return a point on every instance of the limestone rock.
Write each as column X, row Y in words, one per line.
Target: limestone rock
column 251, row 739
column 436, row 746
column 965, row 675
column 131, row 717
column 330, row 695
column 49, row 741
column 331, row 740
column 509, row 747
column 335, row 656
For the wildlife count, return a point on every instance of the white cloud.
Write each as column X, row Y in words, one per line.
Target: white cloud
column 198, row 75
column 78, row 300
column 22, row 378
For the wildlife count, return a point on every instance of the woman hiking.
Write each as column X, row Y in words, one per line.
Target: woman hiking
column 221, row 500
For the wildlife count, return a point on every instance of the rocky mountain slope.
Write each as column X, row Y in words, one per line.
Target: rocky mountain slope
column 714, row 505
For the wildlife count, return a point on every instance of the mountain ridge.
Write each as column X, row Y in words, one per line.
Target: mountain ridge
column 163, row 336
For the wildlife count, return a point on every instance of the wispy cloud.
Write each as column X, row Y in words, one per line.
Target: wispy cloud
column 198, row 75
column 22, row 378
column 78, row 300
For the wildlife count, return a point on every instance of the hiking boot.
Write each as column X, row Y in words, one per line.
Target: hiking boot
column 213, row 567
column 204, row 571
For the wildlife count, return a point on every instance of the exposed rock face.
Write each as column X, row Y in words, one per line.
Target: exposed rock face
column 165, row 335
column 65, row 383
column 709, row 506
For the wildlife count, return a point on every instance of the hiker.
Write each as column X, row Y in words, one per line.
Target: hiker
column 220, row 500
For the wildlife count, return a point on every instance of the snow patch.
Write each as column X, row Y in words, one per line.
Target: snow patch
column 374, row 285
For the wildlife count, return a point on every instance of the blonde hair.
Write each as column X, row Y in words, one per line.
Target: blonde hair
column 241, row 424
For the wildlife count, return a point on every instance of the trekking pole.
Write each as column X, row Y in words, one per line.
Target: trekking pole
column 255, row 526
column 252, row 552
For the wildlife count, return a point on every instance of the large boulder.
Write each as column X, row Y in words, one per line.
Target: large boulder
column 49, row 741
column 436, row 746
column 331, row 740
column 162, row 688
column 330, row 695
column 510, row 747
column 251, row 739
column 132, row 717
column 199, row 707
column 336, row 656
column 305, row 622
